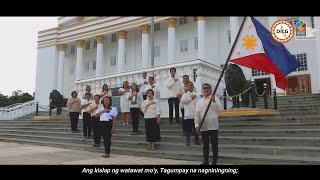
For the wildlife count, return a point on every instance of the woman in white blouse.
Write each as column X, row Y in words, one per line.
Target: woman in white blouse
column 107, row 115
column 135, row 98
column 105, row 91
column 124, row 102
column 151, row 109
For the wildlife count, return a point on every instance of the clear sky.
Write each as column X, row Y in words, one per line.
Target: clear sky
column 18, row 51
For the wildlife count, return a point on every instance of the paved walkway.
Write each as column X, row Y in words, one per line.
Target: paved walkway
column 21, row 154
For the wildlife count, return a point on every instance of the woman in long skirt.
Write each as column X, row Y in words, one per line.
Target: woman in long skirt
column 151, row 109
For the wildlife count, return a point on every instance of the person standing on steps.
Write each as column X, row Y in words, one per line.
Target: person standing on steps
column 105, row 91
column 210, row 126
column 107, row 115
column 151, row 109
column 95, row 121
column 88, row 90
column 73, row 106
column 135, row 98
column 174, row 85
column 189, row 100
column 124, row 102
column 86, row 116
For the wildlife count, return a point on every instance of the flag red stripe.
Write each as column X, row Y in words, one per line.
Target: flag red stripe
column 261, row 62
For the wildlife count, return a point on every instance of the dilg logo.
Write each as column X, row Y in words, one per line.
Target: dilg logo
column 282, row 31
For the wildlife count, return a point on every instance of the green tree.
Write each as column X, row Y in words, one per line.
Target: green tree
column 17, row 97
column 4, row 100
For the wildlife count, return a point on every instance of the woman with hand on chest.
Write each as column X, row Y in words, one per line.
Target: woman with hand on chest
column 151, row 109
column 107, row 115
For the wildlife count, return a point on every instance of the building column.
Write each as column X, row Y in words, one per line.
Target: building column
column 315, row 70
column 60, row 88
column 171, row 39
column 234, row 27
column 79, row 63
column 201, row 38
column 100, row 61
column 145, row 45
column 280, row 92
column 55, row 73
column 122, row 35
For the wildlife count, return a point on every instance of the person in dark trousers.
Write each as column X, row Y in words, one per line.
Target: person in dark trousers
column 73, row 106
column 210, row 126
column 86, row 116
column 95, row 121
column 135, row 99
column 174, row 86
column 189, row 100
column 151, row 110
column 107, row 115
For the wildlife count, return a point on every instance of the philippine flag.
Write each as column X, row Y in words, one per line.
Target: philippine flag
column 256, row 49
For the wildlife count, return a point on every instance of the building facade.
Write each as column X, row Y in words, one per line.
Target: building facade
column 98, row 50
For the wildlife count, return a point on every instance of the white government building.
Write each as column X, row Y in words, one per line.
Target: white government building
column 98, row 50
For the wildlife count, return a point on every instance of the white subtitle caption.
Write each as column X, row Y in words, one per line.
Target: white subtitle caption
column 159, row 171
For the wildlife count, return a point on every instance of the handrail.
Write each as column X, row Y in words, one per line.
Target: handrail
column 16, row 104
column 18, row 110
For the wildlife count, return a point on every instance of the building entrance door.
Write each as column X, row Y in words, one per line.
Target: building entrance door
column 299, row 84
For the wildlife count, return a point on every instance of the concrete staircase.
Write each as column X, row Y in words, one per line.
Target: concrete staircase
column 283, row 139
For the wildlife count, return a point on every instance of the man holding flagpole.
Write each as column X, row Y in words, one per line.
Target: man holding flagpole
column 255, row 48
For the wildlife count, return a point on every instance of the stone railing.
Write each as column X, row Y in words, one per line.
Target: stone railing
column 10, row 113
column 199, row 72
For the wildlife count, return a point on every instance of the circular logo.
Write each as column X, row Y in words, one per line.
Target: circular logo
column 282, row 31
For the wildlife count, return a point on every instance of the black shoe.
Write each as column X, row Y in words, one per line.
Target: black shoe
column 213, row 164
column 132, row 133
column 171, row 122
column 197, row 143
column 205, row 163
column 94, row 145
column 98, row 145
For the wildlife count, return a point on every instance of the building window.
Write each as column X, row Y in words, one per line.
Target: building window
column 93, row 65
column 256, row 72
column 183, row 46
column 195, row 18
column 302, row 58
column 293, row 21
column 88, row 66
column 114, row 37
column 87, row 45
column 72, row 50
column 71, row 70
column 229, row 37
column 183, row 20
column 195, row 43
column 312, row 22
column 113, row 60
column 156, row 27
column 95, row 44
column 156, row 51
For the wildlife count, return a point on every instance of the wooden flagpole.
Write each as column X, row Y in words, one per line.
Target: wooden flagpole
column 223, row 69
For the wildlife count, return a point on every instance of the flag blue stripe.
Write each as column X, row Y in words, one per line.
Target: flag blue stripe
column 275, row 51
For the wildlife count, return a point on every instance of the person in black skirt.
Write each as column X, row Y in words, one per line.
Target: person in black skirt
column 151, row 109
column 107, row 115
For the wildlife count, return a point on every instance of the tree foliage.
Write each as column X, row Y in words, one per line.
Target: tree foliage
column 16, row 97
